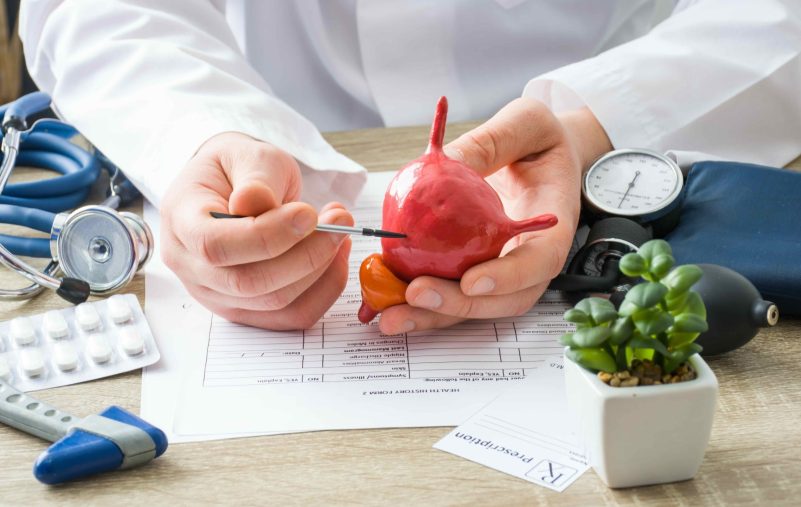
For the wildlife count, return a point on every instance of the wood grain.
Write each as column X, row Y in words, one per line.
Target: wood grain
column 752, row 457
column 10, row 57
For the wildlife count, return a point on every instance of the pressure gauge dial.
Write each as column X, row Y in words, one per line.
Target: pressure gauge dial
column 633, row 183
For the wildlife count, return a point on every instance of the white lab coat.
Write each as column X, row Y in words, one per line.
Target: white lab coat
column 149, row 81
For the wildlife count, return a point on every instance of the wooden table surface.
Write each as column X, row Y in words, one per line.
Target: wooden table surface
column 752, row 456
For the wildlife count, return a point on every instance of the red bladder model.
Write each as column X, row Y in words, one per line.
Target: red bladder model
column 452, row 218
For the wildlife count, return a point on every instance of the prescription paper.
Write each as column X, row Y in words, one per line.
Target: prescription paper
column 219, row 379
column 526, row 432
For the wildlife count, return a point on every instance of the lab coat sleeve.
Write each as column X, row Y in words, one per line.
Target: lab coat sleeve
column 149, row 82
column 718, row 77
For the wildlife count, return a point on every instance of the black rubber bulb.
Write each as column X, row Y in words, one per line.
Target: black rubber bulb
column 735, row 309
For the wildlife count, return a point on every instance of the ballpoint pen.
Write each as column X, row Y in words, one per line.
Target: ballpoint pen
column 339, row 229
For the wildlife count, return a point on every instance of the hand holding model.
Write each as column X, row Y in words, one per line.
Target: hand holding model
column 452, row 219
column 269, row 269
column 533, row 160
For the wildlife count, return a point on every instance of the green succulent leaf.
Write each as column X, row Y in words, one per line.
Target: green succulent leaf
column 676, row 301
column 639, row 342
column 682, row 278
column 621, row 357
column 676, row 340
column 600, row 309
column 675, row 357
column 651, row 249
column 633, row 264
column 647, row 294
column 576, row 316
column 693, row 304
column 682, row 354
column 627, row 309
column 567, row 340
column 652, row 321
column 642, row 353
column 621, row 330
column 689, row 323
column 594, row 359
column 661, row 264
column 584, row 306
column 591, row 336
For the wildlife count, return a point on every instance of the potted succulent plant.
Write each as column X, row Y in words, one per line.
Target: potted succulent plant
column 644, row 397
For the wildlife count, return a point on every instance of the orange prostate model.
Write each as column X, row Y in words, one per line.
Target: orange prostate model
column 380, row 288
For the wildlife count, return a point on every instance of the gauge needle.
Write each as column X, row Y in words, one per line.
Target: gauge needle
column 628, row 189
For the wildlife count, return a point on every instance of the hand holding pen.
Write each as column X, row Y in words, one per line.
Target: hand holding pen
column 272, row 271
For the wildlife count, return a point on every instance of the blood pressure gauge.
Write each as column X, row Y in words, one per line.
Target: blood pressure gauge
column 634, row 183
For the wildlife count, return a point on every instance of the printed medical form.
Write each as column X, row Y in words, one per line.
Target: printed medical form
column 220, row 379
column 338, row 349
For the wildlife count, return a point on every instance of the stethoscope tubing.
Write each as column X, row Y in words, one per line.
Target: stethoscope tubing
column 46, row 145
column 31, row 218
column 78, row 171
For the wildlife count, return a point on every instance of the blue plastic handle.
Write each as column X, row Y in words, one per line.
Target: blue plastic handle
column 81, row 454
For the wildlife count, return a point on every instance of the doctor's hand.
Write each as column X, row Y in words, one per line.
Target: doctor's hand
column 534, row 162
column 270, row 269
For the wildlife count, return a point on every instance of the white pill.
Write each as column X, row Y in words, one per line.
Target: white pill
column 32, row 362
column 131, row 341
column 87, row 316
column 118, row 309
column 22, row 331
column 55, row 324
column 5, row 369
column 65, row 356
column 98, row 348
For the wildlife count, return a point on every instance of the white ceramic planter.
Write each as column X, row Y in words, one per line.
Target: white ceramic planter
column 647, row 434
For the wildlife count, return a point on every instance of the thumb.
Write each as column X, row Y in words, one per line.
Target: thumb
column 522, row 128
column 262, row 178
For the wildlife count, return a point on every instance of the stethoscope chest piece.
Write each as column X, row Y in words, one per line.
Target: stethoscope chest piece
column 101, row 246
column 98, row 249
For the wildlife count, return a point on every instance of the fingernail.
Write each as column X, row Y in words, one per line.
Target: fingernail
column 303, row 223
column 428, row 299
column 483, row 285
column 407, row 326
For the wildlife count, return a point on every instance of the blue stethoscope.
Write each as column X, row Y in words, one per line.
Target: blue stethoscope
column 97, row 248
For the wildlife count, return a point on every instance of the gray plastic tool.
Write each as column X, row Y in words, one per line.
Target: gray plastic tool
column 112, row 440
column 32, row 416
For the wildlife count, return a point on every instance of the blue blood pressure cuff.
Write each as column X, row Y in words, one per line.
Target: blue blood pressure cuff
column 748, row 218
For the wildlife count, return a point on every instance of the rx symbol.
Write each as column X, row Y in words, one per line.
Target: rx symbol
column 551, row 472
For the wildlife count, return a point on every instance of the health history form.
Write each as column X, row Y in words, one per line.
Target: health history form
column 337, row 350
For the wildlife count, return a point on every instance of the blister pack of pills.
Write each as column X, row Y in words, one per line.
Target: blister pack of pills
column 60, row 347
